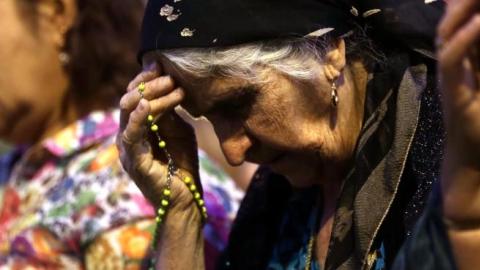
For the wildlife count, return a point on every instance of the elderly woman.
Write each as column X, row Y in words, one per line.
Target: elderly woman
column 65, row 202
column 338, row 102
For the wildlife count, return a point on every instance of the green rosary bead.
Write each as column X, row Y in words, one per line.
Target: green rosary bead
column 141, row 87
column 162, row 144
column 167, row 192
column 150, row 118
column 193, row 187
column 161, row 211
column 187, row 180
column 165, row 202
column 154, row 128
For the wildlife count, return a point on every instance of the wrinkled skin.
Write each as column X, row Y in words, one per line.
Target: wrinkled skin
column 274, row 125
column 288, row 125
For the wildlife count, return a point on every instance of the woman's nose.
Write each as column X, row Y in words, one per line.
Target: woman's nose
column 233, row 141
column 235, row 148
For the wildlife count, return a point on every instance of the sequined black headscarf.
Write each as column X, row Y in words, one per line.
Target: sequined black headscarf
column 170, row 24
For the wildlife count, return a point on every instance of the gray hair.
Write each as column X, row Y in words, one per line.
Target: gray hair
column 292, row 57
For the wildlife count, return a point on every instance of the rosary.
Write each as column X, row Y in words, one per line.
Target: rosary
column 161, row 212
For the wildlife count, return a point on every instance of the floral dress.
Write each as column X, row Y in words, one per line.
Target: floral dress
column 67, row 203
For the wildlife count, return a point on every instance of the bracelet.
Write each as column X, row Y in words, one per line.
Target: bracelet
column 162, row 211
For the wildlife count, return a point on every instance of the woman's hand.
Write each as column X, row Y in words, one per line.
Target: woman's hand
column 139, row 152
column 459, row 35
column 180, row 243
column 459, row 73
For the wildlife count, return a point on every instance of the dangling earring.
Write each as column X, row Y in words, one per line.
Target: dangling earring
column 334, row 95
column 64, row 58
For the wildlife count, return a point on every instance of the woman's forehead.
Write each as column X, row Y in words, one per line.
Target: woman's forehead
column 202, row 97
column 200, row 93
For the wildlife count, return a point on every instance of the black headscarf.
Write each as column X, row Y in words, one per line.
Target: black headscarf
column 170, row 24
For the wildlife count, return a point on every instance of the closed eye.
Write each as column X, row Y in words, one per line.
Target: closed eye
column 235, row 105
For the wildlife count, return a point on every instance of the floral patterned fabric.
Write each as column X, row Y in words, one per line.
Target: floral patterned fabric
column 67, row 204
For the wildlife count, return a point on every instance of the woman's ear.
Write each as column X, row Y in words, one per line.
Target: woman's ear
column 58, row 16
column 335, row 59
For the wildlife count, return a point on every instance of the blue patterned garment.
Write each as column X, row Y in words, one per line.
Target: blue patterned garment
column 300, row 222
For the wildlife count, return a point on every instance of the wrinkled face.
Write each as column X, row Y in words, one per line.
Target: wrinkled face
column 288, row 125
column 29, row 70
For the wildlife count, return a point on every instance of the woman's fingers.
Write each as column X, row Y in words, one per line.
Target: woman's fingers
column 140, row 158
column 150, row 73
column 134, row 130
column 154, row 88
column 131, row 139
column 453, row 61
column 459, row 46
column 458, row 13
column 136, row 156
column 166, row 103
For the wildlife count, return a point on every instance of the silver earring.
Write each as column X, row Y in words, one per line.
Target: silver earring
column 64, row 58
column 334, row 94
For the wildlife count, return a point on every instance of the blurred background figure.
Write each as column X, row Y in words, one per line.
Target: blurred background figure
column 3, row 147
column 65, row 202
